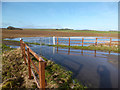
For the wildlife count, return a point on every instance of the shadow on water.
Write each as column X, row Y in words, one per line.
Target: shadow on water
column 104, row 74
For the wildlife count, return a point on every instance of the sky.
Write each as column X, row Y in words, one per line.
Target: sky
column 101, row 16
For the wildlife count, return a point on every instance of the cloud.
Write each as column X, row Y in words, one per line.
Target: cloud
column 42, row 26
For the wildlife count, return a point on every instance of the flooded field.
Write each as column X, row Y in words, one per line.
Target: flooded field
column 100, row 70
column 94, row 69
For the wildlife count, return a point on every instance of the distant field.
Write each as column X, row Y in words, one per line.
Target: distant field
column 53, row 32
column 88, row 31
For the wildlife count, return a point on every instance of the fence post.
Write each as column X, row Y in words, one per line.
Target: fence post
column 21, row 45
column 57, row 40
column 42, row 74
column 29, row 67
column 82, row 41
column 24, row 53
column 53, row 40
column 96, row 41
column 69, row 41
column 110, row 41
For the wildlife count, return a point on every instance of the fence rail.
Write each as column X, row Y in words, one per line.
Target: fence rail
column 40, row 69
column 84, row 41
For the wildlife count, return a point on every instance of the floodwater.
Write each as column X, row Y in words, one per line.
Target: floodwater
column 64, row 40
column 94, row 69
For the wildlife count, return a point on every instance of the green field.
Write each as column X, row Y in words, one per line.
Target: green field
column 88, row 31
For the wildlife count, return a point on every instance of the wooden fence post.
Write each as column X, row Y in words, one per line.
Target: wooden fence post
column 96, row 41
column 69, row 41
column 110, row 41
column 82, row 41
column 21, row 46
column 29, row 67
column 42, row 74
column 57, row 40
column 24, row 53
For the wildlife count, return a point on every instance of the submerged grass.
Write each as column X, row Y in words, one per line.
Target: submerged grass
column 92, row 47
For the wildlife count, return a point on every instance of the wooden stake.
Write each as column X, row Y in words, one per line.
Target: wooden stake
column 24, row 53
column 21, row 45
column 42, row 74
column 96, row 41
column 29, row 67
column 69, row 41
column 82, row 41
column 110, row 41
column 57, row 40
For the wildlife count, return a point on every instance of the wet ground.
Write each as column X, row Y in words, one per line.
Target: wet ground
column 94, row 69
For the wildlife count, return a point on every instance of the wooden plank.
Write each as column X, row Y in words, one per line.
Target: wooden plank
column 69, row 41
column 42, row 74
column 63, row 40
column 96, row 41
column 76, row 43
column 57, row 40
column 21, row 45
column 36, row 81
column 34, row 54
column 82, row 41
column 34, row 66
column 110, row 41
column 76, row 40
column 24, row 53
column 89, row 43
column 29, row 67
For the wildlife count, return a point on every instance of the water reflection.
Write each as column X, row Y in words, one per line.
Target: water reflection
column 91, row 68
column 82, row 52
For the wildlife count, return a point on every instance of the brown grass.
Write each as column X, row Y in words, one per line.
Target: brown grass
column 41, row 33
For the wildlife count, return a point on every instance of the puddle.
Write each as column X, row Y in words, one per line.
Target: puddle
column 94, row 69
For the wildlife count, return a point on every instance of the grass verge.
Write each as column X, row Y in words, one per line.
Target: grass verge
column 15, row 73
column 92, row 47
